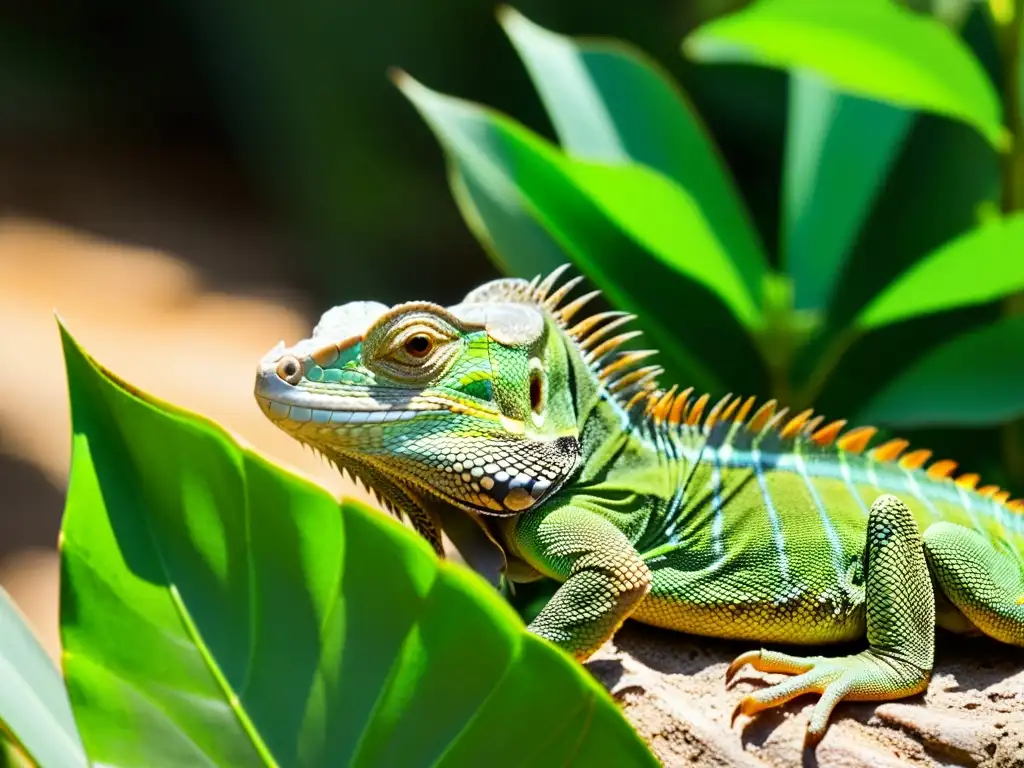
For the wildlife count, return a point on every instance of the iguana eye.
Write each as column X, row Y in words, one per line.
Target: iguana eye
column 419, row 345
column 415, row 351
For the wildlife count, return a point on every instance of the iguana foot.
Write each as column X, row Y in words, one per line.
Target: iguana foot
column 900, row 614
column 869, row 675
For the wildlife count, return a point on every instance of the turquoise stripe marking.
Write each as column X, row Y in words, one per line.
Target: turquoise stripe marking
column 915, row 488
column 773, row 515
column 716, row 503
column 869, row 472
column 965, row 500
column 826, row 521
column 672, row 514
column 685, row 464
column 844, row 471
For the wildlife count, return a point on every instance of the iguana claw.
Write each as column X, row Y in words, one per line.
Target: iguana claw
column 738, row 663
column 864, row 676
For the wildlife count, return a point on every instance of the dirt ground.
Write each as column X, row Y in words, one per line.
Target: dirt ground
column 672, row 688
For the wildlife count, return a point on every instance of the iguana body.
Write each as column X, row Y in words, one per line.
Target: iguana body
column 509, row 421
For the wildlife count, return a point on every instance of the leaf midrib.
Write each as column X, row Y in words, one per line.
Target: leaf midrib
column 231, row 697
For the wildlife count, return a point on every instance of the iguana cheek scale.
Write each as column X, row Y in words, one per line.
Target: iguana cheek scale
column 543, row 448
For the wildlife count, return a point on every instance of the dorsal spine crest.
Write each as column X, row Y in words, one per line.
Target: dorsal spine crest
column 635, row 389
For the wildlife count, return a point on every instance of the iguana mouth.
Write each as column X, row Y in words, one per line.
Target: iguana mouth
column 340, row 425
column 284, row 402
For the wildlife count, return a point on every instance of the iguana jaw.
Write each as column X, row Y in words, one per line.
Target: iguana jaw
column 461, row 422
column 430, row 514
column 405, row 496
column 368, row 432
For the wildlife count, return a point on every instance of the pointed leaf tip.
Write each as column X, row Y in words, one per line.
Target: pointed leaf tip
column 68, row 342
column 398, row 76
column 506, row 14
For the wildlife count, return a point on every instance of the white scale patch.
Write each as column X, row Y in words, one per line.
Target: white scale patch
column 323, row 416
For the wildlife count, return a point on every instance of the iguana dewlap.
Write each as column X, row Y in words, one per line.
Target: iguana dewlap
column 507, row 419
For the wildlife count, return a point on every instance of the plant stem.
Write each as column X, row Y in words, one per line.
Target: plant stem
column 1013, row 200
column 824, row 366
column 1013, row 160
column 778, row 383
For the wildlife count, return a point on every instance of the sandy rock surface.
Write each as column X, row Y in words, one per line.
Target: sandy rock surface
column 672, row 688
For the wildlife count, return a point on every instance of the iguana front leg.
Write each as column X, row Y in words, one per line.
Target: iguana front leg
column 900, row 629
column 985, row 584
column 603, row 576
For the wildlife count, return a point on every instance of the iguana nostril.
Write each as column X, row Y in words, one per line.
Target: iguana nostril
column 290, row 369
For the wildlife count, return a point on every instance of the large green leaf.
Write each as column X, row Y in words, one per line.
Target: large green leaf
column 831, row 177
column 34, row 709
column 975, row 379
column 870, row 48
column 632, row 230
column 217, row 610
column 492, row 205
column 498, row 216
column 610, row 103
column 908, row 222
column 641, row 203
column 985, row 264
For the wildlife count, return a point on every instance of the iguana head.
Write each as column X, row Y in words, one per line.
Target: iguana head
column 473, row 405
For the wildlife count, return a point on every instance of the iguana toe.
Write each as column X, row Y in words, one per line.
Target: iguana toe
column 868, row 675
column 767, row 661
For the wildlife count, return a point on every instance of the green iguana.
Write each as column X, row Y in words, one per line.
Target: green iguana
column 506, row 421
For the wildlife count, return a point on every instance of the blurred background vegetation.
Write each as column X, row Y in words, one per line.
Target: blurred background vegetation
column 187, row 182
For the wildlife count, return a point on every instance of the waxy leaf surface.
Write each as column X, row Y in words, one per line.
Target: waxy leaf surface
column 34, row 708
column 634, row 232
column 870, row 48
column 612, row 104
column 982, row 265
column 974, row 379
column 219, row 611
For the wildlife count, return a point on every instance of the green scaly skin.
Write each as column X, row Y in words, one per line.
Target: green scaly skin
column 543, row 449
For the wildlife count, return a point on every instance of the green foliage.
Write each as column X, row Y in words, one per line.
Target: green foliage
column 831, row 177
column 971, row 379
column 979, row 266
column 887, row 200
column 218, row 610
column 34, row 709
column 870, row 48
column 610, row 103
column 617, row 221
